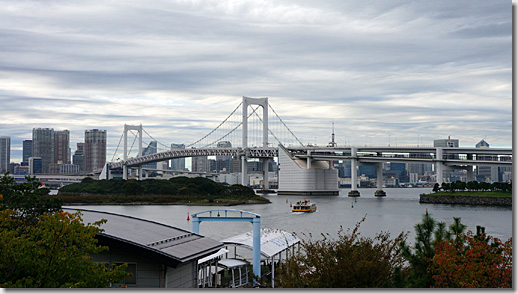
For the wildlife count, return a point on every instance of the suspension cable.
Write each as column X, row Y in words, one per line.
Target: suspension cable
column 216, row 127
column 232, row 129
column 168, row 147
column 117, row 149
column 285, row 125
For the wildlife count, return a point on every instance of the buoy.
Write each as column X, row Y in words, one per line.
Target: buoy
column 352, row 204
column 218, row 213
column 290, row 203
column 188, row 216
column 286, row 199
column 354, row 200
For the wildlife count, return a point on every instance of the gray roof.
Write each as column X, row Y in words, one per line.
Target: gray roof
column 174, row 244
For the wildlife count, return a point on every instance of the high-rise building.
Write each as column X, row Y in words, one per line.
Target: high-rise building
column 200, row 164
column 150, row 149
column 482, row 144
column 446, row 142
column 27, row 151
column 5, row 154
column 78, row 157
column 35, row 165
column 486, row 173
column 62, row 147
column 94, row 150
column 43, row 146
column 178, row 163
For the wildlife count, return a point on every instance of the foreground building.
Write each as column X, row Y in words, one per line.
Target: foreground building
column 158, row 255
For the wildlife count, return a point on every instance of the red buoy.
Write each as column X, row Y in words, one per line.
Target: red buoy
column 188, row 216
column 290, row 203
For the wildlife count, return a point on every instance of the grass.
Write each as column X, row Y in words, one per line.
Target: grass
column 474, row 193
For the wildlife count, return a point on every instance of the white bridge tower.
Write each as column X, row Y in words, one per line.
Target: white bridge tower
column 124, row 167
column 263, row 102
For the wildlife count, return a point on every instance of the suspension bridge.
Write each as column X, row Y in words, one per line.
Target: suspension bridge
column 303, row 170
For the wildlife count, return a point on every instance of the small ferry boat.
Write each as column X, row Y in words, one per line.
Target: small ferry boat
column 304, row 206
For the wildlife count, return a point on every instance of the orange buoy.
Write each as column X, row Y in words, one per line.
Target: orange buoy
column 188, row 216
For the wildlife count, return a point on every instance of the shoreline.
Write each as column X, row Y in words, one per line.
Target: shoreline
column 466, row 200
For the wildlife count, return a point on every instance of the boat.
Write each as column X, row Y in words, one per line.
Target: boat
column 304, row 206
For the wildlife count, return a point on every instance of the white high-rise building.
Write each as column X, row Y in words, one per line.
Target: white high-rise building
column 5, row 154
column 94, row 150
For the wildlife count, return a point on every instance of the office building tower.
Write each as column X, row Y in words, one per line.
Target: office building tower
column 178, row 163
column 43, row 146
column 486, row 173
column 94, row 150
column 62, row 147
column 5, row 154
column 446, row 142
column 78, row 157
column 35, row 165
column 27, row 151
column 200, row 164
column 150, row 149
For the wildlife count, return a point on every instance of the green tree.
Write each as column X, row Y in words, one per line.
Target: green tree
column 428, row 234
column 351, row 261
column 132, row 187
column 53, row 253
column 436, row 187
column 29, row 199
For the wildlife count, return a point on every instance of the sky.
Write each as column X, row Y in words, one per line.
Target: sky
column 384, row 72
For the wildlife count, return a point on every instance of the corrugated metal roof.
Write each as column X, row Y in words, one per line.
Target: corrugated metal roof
column 171, row 242
column 273, row 241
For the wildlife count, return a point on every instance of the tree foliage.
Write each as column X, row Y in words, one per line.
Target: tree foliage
column 41, row 246
column 473, row 261
column 351, row 261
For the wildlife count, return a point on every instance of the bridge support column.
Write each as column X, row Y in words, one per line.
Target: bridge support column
column 244, row 171
column 266, row 184
column 139, row 170
column 379, row 181
column 469, row 173
column 439, row 167
column 354, row 173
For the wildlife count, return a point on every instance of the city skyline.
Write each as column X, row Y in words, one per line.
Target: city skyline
column 412, row 70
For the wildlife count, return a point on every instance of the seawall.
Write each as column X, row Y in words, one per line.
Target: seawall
column 471, row 200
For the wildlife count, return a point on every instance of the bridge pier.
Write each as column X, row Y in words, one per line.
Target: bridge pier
column 379, row 181
column 469, row 173
column 354, row 174
column 439, row 166
column 266, row 184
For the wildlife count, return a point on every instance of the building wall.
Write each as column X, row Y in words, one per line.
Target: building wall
column 62, row 147
column 178, row 163
column 43, row 146
column 27, row 150
column 94, row 150
column 5, row 154
column 184, row 276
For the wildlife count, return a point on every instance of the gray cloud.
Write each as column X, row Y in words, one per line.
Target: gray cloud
column 427, row 68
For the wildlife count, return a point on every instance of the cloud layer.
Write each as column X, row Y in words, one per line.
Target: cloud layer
column 411, row 70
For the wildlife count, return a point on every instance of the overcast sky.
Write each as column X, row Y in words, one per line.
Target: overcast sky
column 411, row 71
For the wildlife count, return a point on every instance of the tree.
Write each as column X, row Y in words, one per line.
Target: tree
column 28, row 199
column 41, row 246
column 436, row 188
column 53, row 253
column 350, row 261
column 428, row 234
column 474, row 262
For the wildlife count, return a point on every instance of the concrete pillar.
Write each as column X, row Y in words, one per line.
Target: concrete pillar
column 309, row 159
column 256, row 242
column 195, row 225
column 354, row 172
column 266, row 184
column 244, row 171
column 379, row 181
column 469, row 173
column 139, row 170
column 439, row 167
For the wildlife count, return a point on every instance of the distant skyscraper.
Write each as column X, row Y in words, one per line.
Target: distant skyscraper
column 27, row 150
column 43, row 146
column 94, row 150
column 178, row 163
column 35, row 165
column 223, row 162
column 62, row 147
column 5, row 154
column 78, row 158
column 446, row 142
column 150, row 149
column 482, row 144
column 200, row 164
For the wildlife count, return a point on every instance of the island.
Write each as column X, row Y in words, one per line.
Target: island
column 177, row 190
column 471, row 193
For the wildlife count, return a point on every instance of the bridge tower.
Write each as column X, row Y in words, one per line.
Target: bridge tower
column 263, row 102
column 124, row 167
